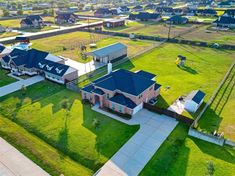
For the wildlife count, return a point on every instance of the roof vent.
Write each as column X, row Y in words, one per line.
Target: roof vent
column 58, row 70
column 41, row 65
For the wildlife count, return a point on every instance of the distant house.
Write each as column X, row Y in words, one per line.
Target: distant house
column 177, row 19
column 109, row 53
column 206, row 12
column 145, row 16
column 178, row 12
column 166, row 11
column 114, row 23
column 102, row 12
column 194, row 100
column 32, row 21
column 190, row 12
column 123, row 9
column 62, row 18
column 33, row 62
column 137, row 8
column 225, row 22
column 150, row 7
column 229, row 13
column 2, row 29
column 225, row 4
column 122, row 91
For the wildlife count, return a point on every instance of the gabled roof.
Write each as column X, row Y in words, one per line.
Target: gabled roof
column 196, row 96
column 2, row 48
column 103, row 11
column 105, row 51
column 66, row 16
column 27, row 21
column 6, row 59
column 34, row 17
column 144, row 16
column 17, row 52
column 225, row 20
column 177, row 19
column 98, row 91
column 146, row 74
column 124, row 81
column 122, row 100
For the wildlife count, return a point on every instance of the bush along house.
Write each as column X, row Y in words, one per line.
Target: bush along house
column 122, row 91
column 33, row 62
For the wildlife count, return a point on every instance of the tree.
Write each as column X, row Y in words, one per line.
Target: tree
column 6, row 13
column 20, row 12
column 23, row 89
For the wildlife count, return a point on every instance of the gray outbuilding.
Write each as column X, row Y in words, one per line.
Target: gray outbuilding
column 109, row 53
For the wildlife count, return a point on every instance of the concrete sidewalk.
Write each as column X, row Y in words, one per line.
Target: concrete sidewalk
column 10, row 88
column 14, row 163
column 135, row 154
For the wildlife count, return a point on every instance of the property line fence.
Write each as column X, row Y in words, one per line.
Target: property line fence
column 169, row 113
column 213, row 96
column 155, row 38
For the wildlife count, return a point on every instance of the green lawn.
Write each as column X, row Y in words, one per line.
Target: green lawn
column 57, row 116
column 8, row 34
column 14, row 23
column 68, row 45
column 186, row 156
column 4, row 79
column 220, row 115
column 204, row 69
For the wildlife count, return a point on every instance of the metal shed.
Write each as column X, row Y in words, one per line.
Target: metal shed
column 109, row 53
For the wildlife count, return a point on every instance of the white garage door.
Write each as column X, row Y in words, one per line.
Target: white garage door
column 137, row 108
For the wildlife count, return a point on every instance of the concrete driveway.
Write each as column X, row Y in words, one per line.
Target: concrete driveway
column 84, row 68
column 14, row 163
column 10, row 88
column 135, row 154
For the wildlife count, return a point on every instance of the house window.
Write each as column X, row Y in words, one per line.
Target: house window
column 107, row 96
column 151, row 88
column 113, row 106
column 140, row 96
column 120, row 109
column 85, row 95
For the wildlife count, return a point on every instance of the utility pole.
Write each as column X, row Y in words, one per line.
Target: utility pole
column 169, row 31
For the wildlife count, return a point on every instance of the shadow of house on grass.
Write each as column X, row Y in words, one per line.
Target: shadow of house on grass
column 222, row 153
column 110, row 134
column 161, row 102
column 188, row 69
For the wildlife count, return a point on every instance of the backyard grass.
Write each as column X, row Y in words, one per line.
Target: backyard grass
column 57, row 116
column 14, row 23
column 154, row 29
column 8, row 34
column 220, row 115
column 4, row 79
column 204, row 69
column 206, row 34
column 186, row 156
column 68, row 45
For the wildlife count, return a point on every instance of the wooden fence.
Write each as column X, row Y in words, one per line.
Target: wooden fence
column 169, row 113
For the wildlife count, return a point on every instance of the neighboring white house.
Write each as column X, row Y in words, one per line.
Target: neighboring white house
column 194, row 100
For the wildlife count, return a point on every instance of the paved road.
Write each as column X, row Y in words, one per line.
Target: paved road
column 14, row 163
column 49, row 31
column 10, row 88
column 135, row 154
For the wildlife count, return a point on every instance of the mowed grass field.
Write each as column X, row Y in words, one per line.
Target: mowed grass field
column 220, row 115
column 204, row 69
column 187, row 156
column 4, row 79
column 206, row 34
column 57, row 116
column 68, row 45
column 153, row 28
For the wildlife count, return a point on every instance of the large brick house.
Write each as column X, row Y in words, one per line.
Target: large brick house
column 122, row 91
column 32, row 62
